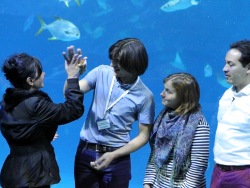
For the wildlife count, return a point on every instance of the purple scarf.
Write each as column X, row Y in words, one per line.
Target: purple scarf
column 174, row 132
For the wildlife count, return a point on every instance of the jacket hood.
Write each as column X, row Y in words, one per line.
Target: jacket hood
column 14, row 96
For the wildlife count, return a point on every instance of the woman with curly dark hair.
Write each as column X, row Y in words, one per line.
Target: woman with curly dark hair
column 29, row 120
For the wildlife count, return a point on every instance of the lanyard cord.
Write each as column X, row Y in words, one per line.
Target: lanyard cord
column 119, row 98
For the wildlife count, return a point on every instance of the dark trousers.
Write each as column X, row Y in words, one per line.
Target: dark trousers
column 230, row 179
column 116, row 175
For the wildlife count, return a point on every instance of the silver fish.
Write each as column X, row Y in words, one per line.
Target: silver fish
column 208, row 71
column 66, row 2
column 79, row 2
column 174, row 5
column 60, row 30
column 28, row 22
column 178, row 62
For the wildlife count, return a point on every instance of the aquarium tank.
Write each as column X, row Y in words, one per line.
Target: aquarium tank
column 179, row 37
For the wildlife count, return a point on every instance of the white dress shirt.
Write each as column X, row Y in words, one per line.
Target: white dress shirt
column 232, row 139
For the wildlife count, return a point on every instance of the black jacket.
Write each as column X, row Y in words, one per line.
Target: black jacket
column 29, row 121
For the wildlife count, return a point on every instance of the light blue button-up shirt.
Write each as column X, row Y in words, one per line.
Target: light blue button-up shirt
column 138, row 104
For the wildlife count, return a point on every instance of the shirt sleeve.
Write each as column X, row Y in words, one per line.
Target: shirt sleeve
column 91, row 77
column 199, row 157
column 47, row 113
column 150, row 173
column 147, row 112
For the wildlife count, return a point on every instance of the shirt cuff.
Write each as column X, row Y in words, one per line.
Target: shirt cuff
column 73, row 83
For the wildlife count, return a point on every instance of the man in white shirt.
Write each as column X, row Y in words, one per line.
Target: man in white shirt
column 232, row 139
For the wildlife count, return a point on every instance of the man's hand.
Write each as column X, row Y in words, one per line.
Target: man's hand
column 75, row 65
column 71, row 53
column 103, row 161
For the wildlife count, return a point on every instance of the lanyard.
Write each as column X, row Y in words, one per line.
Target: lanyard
column 119, row 98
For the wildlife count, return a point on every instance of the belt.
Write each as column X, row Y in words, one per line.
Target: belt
column 226, row 168
column 97, row 147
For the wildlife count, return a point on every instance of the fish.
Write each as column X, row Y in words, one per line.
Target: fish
column 98, row 32
column 28, row 22
column 178, row 62
column 66, row 2
column 79, row 2
column 60, row 29
column 175, row 5
column 95, row 33
column 208, row 71
column 102, row 4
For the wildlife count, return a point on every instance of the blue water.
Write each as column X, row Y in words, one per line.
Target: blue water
column 200, row 35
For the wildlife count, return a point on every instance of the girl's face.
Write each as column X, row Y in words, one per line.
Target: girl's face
column 169, row 96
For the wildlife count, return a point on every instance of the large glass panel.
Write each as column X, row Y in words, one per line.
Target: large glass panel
column 185, row 38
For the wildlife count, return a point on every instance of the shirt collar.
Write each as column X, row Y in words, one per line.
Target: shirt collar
column 244, row 91
column 126, row 86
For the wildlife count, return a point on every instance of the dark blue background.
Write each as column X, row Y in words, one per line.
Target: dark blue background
column 200, row 34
